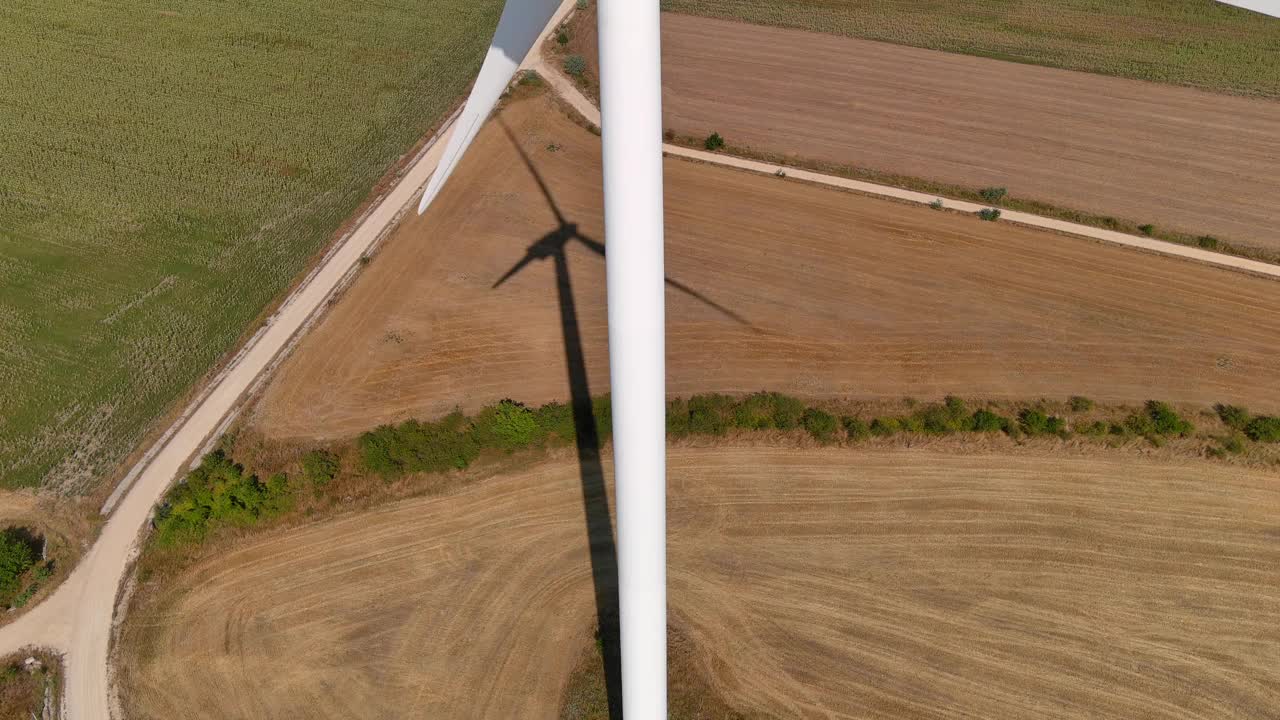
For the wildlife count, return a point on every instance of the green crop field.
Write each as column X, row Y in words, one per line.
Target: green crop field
column 1186, row 42
column 169, row 166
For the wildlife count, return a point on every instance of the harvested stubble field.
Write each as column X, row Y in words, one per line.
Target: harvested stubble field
column 812, row 583
column 168, row 170
column 843, row 296
column 1187, row 42
column 1181, row 159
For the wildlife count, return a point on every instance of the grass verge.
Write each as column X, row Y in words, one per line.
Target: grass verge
column 30, row 685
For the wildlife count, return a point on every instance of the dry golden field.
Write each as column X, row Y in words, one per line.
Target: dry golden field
column 836, row 295
column 812, row 583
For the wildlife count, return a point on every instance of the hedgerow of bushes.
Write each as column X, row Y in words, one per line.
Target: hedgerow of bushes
column 222, row 493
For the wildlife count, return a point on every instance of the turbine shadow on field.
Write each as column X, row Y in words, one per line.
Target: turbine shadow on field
column 595, row 500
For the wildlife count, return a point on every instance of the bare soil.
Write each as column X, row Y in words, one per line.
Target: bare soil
column 835, row 295
column 1179, row 158
column 814, row 583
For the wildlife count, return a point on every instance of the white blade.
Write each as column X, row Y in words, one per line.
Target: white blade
column 1266, row 7
column 521, row 24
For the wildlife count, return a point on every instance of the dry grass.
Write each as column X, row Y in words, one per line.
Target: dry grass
column 823, row 583
column 845, row 296
column 23, row 692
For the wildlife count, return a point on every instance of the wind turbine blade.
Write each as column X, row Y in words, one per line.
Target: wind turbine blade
column 1266, row 7
column 521, row 23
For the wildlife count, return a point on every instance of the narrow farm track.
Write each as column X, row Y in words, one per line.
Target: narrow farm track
column 1179, row 158
column 816, row 583
column 844, row 295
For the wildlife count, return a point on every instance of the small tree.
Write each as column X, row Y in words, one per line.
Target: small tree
column 819, row 423
column 987, row 421
column 993, row 195
column 1233, row 416
column 713, row 142
column 936, row 204
column 856, row 428
column 989, row 214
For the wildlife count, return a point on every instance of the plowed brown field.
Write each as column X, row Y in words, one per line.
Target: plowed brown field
column 844, row 296
column 815, row 583
column 1180, row 158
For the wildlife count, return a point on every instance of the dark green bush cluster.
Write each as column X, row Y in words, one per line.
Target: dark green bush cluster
column 821, row 424
column 1080, row 404
column 1157, row 420
column 989, row 214
column 219, row 492
column 713, row 142
column 993, row 195
column 1034, row 421
column 455, row 441
column 17, row 555
column 575, row 65
column 1263, row 428
column 319, row 467
column 716, row 414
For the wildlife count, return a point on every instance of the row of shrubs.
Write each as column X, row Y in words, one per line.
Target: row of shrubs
column 220, row 492
column 455, row 441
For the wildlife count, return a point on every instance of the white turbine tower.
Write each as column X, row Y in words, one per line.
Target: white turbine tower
column 631, row 119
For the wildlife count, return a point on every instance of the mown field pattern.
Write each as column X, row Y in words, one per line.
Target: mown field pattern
column 169, row 168
column 815, row 583
column 1186, row 42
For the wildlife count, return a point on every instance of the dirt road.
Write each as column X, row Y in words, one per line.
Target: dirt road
column 1176, row 157
column 844, row 295
column 815, row 583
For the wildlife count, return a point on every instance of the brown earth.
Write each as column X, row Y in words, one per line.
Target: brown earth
column 844, row 296
column 813, row 583
column 1179, row 158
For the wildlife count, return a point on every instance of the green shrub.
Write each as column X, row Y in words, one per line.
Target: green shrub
column 951, row 416
column 1208, row 242
column 575, row 65
column 1080, row 404
column 820, row 424
column 987, row 421
column 677, row 418
column 1033, row 421
column 710, row 414
column 1140, row 424
column 1147, row 229
column 218, row 492
column 16, row 557
column 911, row 423
column 765, row 410
column 414, row 446
column 993, row 195
column 562, row 37
column 989, row 214
column 319, row 467
column 508, row 425
column 602, row 409
column 936, row 204
column 1233, row 416
column 884, row 427
column 856, row 428
column 713, row 142
column 556, row 419
column 1167, row 421
column 1094, row 429
column 583, row 4
column 1264, row 429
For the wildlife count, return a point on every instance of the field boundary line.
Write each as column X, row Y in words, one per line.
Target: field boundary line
column 579, row 102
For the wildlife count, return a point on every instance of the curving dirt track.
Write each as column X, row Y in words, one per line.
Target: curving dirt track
column 1177, row 157
column 845, row 296
column 816, row 583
